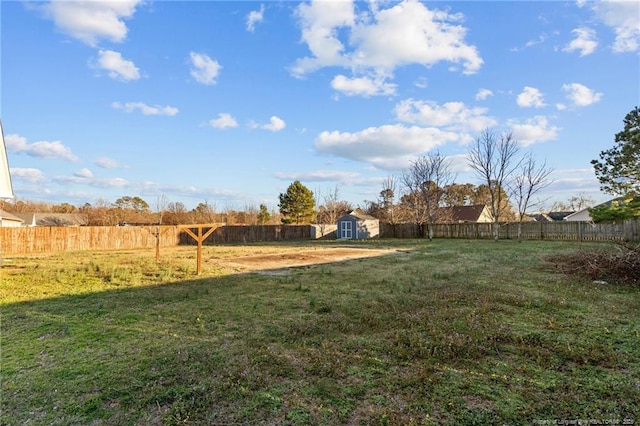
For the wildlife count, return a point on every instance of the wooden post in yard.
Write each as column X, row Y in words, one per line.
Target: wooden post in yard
column 200, row 237
column 158, row 233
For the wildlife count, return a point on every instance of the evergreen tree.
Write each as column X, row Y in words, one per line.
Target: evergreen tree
column 297, row 205
column 263, row 215
column 618, row 168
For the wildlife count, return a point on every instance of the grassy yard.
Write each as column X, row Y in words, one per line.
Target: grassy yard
column 447, row 332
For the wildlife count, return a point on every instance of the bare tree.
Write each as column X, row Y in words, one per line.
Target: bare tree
column 575, row 203
column 531, row 178
column 424, row 181
column 494, row 158
column 161, row 207
column 332, row 209
column 387, row 199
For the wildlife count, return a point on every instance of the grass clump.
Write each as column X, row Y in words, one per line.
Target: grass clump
column 447, row 332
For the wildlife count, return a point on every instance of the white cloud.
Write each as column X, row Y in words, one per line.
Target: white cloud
column 377, row 41
column 541, row 39
column 275, row 124
column 585, row 41
column 29, row 175
column 116, row 66
column 205, row 70
column 531, row 43
column 254, row 17
column 389, row 146
column 91, row 21
column 364, row 86
column 318, row 176
column 483, row 94
column 319, row 21
column 422, row 83
column 536, row 129
column 581, row 95
column 43, row 149
column 530, row 97
column 107, row 163
column 84, row 173
column 459, row 163
column 450, row 115
column 111, row 183
column 145, row 109
column 224, row 121
column 409, row 33
column 623, row 16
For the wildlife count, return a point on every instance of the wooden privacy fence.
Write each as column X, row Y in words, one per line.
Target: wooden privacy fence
column 628, row 230
column 51, row 239
column 251, row 233
column 25, row 240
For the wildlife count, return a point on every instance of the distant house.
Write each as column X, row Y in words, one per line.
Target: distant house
column 477, row 213
column 357, row 225
column 584, row 216
column 54, row 219
column 550, row 216
column 9, row 220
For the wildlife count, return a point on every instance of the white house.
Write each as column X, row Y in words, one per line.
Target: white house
column 584, row 216
column 9, row 220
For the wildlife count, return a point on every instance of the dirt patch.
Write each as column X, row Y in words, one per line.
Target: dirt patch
column 282, row 261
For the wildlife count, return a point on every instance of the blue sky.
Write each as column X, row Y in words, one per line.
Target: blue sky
column 229, row 102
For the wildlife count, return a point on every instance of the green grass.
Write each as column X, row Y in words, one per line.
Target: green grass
column 448, row 332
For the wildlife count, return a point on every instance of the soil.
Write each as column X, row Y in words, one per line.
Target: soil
column 280, row 262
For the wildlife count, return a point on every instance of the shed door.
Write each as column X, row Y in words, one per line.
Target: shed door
column 346, row 229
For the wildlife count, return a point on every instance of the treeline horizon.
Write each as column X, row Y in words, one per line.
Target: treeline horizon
column 389, row 207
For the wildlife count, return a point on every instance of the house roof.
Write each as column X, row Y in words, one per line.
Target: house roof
column 464, row 213
column 358, row 213
column 9, row 216
column 54, row 219
column 559, row 215
column 540, row 217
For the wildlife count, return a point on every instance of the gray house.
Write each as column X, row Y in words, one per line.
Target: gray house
column 358, row 225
